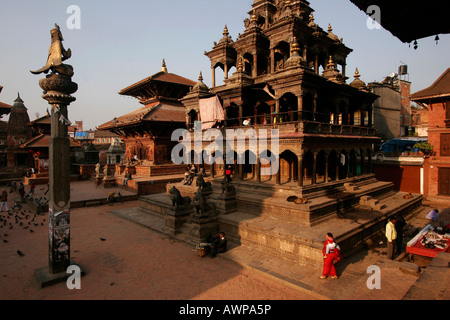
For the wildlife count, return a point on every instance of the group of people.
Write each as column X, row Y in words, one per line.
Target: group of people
column 394, row 235
column 332, row 252
column 191, row 172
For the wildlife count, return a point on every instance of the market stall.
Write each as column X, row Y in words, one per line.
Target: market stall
column 429, row 241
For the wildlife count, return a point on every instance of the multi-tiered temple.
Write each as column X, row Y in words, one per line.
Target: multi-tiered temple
column 285, row 78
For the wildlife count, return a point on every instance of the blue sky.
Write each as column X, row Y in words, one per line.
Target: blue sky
column 122, row 42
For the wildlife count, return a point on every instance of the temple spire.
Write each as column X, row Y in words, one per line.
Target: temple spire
column 164, row 67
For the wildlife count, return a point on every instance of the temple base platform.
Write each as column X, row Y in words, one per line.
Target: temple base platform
column 265, row 218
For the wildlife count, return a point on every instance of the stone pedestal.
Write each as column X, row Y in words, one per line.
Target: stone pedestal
column 200, row 229
column 46, row 278
column 108, row 182
column 226, row 205
column 98, row 179
column 176, row 218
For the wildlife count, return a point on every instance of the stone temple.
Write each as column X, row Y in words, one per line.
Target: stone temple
column 289, row 75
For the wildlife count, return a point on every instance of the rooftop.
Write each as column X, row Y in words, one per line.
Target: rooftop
column 440, row 88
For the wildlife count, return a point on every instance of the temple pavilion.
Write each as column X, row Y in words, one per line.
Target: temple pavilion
column 291, row 76
column 147, row 130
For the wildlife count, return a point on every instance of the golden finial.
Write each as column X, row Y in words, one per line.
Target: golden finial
column 330, row 28
column 254, row 17
column 295, row 45
column 225, row 31
column 164, row 68
column 330, row 64
column 357, row 75
column 239, row 65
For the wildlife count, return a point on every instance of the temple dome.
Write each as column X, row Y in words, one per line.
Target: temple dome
column 358, row 83
column 295, row 60
column 332, row 74
column 226, row 36
column 200, row 86
column 331, row 35
column 311, row 22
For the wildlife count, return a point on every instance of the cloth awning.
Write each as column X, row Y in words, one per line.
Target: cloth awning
column 211, row 111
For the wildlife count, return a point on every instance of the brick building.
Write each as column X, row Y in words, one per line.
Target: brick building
column 436, row 99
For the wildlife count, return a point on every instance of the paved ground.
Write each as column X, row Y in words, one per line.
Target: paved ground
column 134, row 262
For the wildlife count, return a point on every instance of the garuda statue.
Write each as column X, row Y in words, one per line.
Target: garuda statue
column 56, row 55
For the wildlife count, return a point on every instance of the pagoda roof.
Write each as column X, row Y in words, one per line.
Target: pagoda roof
column 44, row 120
column 158, row 111
column 4, row 108
column 157, row 85
column 440, row 88
column 43, row 141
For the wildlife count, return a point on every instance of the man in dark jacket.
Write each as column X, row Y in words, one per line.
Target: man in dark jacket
column 399, row 226
column 219, row 245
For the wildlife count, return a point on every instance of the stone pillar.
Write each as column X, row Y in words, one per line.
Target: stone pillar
column 57, row 89
column 225, row 70
column 314, row 173
column 300, row 171
column 255, row 66
column 258, row 169
column 272, row 60
column 241, row 120
column 316, row 63
column 300, row 107
column 278, row 178
column 277, row 110
column 315, row 107
column 213, row 77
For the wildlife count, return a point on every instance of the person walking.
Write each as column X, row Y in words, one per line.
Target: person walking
column 331, row 254
column 228, row 173
column 21, row 190
column 399, row 228
column 32, row 187
column 4, row 201
column 391, row 236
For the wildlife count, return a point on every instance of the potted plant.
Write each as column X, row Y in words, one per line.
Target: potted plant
column 425, row 147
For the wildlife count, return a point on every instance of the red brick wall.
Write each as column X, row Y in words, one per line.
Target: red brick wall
column 436, row 123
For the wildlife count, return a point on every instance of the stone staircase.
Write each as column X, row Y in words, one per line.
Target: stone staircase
column 353, row 210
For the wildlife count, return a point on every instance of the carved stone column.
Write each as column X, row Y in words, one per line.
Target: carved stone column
column 57, row 91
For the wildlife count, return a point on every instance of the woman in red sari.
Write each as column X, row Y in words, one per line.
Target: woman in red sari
column 331, row 254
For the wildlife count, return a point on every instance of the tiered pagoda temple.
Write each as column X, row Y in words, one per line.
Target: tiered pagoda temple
column 287, row 78
column 147, row 131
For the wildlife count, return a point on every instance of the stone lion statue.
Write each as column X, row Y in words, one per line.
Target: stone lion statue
column 177, row 199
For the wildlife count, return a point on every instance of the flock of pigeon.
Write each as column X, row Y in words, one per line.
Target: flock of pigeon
column 22, row 219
